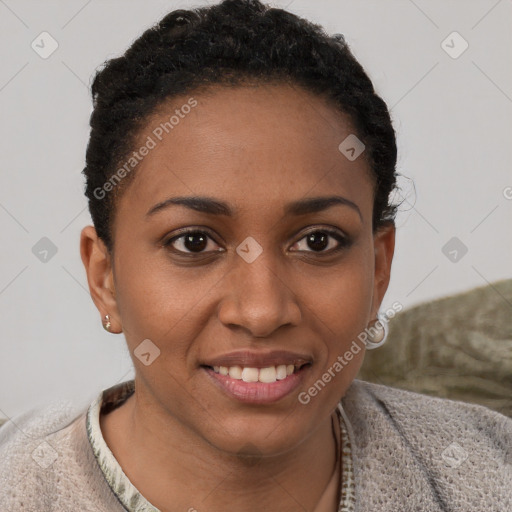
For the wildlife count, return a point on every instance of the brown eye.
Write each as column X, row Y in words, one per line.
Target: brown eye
column 191, row 242
column 322, row 239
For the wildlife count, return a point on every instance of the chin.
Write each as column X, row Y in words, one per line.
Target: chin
column 255, row 439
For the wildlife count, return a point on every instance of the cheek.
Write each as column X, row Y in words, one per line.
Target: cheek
column 341, row 296
column 157, row 301
column 341, row 303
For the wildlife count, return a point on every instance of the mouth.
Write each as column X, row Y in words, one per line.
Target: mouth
column 256, row 385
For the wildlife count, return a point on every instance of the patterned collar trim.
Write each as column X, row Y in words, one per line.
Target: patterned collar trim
column 129, row 495
column 125, row 491
column 348, row 488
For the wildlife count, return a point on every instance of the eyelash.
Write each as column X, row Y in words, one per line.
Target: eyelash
column 343, row 241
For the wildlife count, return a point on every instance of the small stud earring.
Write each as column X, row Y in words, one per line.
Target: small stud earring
column 106, row 323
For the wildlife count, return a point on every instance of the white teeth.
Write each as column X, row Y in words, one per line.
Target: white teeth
column 268, row 374
column 247, row 374
column 235, row 372
column 281, row 372
column 250, row 374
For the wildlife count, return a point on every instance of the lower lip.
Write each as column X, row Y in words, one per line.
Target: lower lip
column 257, row 392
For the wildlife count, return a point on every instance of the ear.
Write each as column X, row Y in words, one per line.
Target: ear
column 384, row 248
column 97, row 262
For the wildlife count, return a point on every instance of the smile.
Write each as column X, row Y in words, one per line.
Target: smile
column 257, row 385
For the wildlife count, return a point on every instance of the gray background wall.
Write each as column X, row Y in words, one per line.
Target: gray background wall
column 451, row 112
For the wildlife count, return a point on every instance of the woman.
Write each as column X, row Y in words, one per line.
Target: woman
column 238, row 174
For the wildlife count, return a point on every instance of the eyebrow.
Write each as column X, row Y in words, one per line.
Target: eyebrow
column 216, row 207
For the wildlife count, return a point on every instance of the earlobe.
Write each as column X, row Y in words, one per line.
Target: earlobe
column 97, row 262
column 384, row 247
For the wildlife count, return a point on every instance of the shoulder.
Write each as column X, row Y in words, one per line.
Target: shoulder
column 429, row 416
column 418, row 409
column 37, row 421
column 46, row 462
column 455, row 452
column 17, row 433
column 29, row 448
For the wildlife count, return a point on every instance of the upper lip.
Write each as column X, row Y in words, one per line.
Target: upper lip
column 251, row 359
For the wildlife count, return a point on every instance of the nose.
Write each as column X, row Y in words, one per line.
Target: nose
column 258, row 297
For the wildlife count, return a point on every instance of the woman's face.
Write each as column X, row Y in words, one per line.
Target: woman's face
column 259, row 282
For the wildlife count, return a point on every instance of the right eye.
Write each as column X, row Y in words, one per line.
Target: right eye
column 190, row 242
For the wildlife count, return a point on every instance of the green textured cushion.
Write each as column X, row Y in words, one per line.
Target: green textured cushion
column 458, row 347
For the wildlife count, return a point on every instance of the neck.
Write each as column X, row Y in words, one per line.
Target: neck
column 170, row 464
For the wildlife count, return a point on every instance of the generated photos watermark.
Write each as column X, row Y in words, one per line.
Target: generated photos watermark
column 157, row 135
column 343, row 360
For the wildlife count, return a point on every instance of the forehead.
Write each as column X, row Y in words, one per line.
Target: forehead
column 252, row 146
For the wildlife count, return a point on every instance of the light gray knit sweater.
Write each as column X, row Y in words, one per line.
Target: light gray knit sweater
column 411, row 452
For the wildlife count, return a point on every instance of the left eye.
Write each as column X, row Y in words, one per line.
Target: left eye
column 319, row 241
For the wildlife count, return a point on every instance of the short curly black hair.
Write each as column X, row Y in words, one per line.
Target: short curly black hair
column 228, row 44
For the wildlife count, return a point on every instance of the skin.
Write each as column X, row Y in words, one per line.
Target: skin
column 179, row 439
